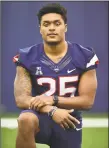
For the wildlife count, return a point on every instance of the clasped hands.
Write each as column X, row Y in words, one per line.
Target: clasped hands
column 62, row 117
column 38, row 102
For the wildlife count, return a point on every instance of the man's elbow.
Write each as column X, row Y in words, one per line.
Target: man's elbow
column 23, row 103
column 18, row 103
column 88, row 102
column 88, row 105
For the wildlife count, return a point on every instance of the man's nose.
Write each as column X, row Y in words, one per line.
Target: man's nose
column 52, row 27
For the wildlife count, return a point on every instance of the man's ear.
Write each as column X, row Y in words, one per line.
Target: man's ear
column 40, row 29
column 65, row 27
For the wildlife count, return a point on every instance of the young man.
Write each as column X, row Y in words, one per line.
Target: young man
column 54, row 81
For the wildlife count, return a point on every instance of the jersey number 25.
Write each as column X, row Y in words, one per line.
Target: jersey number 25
column 61, row 86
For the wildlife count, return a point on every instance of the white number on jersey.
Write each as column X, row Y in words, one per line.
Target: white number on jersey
column 63, row 89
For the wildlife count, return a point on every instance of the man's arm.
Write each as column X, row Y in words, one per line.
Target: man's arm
column 22, row 88
column 87, row 90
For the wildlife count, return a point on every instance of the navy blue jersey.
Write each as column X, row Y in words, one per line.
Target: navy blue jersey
column 60, row 78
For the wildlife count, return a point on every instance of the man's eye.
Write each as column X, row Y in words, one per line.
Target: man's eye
column 46, row 24
column 57, row 23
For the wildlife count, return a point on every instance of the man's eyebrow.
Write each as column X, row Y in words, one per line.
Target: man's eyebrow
column 47, row 21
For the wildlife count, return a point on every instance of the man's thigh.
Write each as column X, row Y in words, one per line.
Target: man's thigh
column 45, row 123
column 55, row 136
column 69, row 138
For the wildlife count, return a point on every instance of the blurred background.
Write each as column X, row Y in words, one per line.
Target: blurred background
column 87, row 25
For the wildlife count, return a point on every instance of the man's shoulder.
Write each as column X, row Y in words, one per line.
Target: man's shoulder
column 29, row 55
column 82, row 56
column 80, row 51
column 30, row 49
column 80, row 48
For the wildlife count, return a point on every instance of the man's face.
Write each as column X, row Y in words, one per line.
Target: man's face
column 52, row 28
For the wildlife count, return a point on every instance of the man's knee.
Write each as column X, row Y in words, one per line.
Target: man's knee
column 28, row 122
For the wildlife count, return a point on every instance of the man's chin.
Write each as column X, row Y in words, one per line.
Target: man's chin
column 53, row 43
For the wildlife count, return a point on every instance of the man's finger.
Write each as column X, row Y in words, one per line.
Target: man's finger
column 70, row 111
column 47, row 103
column 65, row 124
column 70, row 123
column 33, row 102
column 36, row 104
column 40, row 106
column 62, row 126
column 74, row 119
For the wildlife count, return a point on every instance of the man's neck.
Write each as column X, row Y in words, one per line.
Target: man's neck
column 56, row 50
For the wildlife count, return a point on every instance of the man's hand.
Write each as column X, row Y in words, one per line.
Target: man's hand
column 64, row 119
column 60, row 116
column 38, row 102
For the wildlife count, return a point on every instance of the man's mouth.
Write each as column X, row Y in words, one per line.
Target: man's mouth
column 51, row 34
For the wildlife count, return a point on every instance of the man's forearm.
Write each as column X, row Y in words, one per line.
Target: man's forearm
column 23, row 102
column 46, row 109
column 79, row 102
column 22, row 88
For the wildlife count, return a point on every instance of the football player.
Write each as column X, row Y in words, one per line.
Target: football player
column 55, row 80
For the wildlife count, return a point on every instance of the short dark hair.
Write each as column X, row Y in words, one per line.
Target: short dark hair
column 53, row 8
